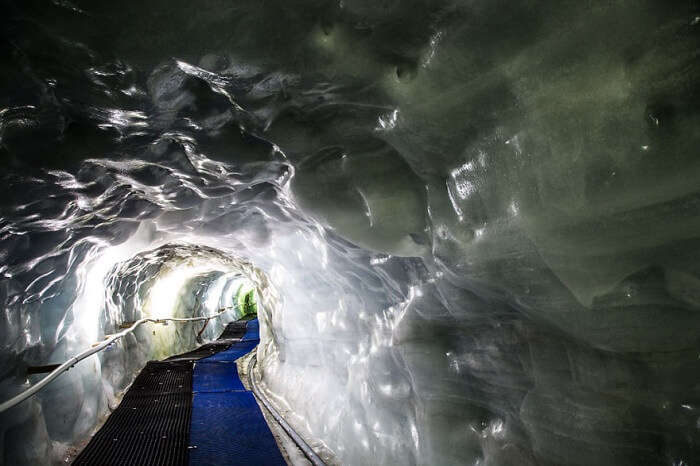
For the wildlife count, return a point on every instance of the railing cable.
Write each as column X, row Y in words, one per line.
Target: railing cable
column 17, row 399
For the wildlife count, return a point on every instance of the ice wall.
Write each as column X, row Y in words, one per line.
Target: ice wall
column 478, row 220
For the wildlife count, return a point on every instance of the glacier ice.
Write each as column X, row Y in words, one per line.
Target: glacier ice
column 471, row 226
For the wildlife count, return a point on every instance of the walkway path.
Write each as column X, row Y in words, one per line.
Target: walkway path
column 191, row 409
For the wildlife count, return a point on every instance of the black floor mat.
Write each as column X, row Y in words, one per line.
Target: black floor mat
column 232, row 331
column 151, row 425
column 201, row 352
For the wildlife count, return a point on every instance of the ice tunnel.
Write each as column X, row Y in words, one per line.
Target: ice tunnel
column 465, row 232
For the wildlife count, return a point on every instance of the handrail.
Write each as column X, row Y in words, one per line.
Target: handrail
column 303, row 446
column 17, row 399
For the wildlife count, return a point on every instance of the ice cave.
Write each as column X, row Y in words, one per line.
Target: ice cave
column 462, row 232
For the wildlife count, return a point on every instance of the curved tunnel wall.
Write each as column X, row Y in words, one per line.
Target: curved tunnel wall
column 480, row 219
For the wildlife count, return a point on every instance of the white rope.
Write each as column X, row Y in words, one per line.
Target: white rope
column 95, row 349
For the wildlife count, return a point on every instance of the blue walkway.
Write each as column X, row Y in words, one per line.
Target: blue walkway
column 227, row 427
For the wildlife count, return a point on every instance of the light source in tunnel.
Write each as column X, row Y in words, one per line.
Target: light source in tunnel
column 163, row 296
column 165, row 293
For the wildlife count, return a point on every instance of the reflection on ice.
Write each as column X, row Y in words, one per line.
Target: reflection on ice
column 474, row 225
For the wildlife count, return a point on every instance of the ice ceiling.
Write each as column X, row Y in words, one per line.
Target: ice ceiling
column 474, row 226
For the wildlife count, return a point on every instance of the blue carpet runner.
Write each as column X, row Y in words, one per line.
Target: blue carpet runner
column 227, row 426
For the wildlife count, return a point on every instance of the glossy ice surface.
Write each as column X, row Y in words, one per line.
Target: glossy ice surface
column 475, row 225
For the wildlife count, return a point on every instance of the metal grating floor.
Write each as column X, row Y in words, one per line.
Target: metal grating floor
column 151, row 426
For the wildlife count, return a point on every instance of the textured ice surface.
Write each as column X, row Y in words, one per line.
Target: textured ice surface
column 478, row 219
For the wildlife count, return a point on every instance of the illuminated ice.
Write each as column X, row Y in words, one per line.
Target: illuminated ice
column 472, row 227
